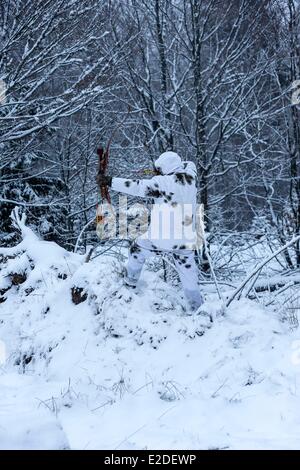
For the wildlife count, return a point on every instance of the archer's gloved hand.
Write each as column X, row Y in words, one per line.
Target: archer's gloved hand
column 103, row 180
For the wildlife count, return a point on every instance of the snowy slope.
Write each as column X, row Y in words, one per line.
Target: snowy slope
column 130, row 370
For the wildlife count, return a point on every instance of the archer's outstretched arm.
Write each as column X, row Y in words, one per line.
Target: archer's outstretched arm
column 142, row 188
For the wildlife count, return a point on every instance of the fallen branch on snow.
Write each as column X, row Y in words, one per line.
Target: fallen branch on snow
column 254, row 274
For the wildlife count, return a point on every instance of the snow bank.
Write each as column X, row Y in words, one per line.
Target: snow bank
column 126, row 369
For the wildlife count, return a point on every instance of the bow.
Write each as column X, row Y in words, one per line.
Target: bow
column 105, row 207
column 104, row 203
column 103, row 155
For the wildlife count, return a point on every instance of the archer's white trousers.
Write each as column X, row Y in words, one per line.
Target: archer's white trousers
column 185, row 265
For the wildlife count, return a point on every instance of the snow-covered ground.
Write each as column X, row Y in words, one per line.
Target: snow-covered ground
column 129, row 369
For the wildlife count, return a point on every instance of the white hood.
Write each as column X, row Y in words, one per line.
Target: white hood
column 168, row 163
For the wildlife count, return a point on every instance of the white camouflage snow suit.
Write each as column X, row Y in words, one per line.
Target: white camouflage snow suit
column 172, row 226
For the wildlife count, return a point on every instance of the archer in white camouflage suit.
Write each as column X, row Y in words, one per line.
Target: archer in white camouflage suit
column 172, row 227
